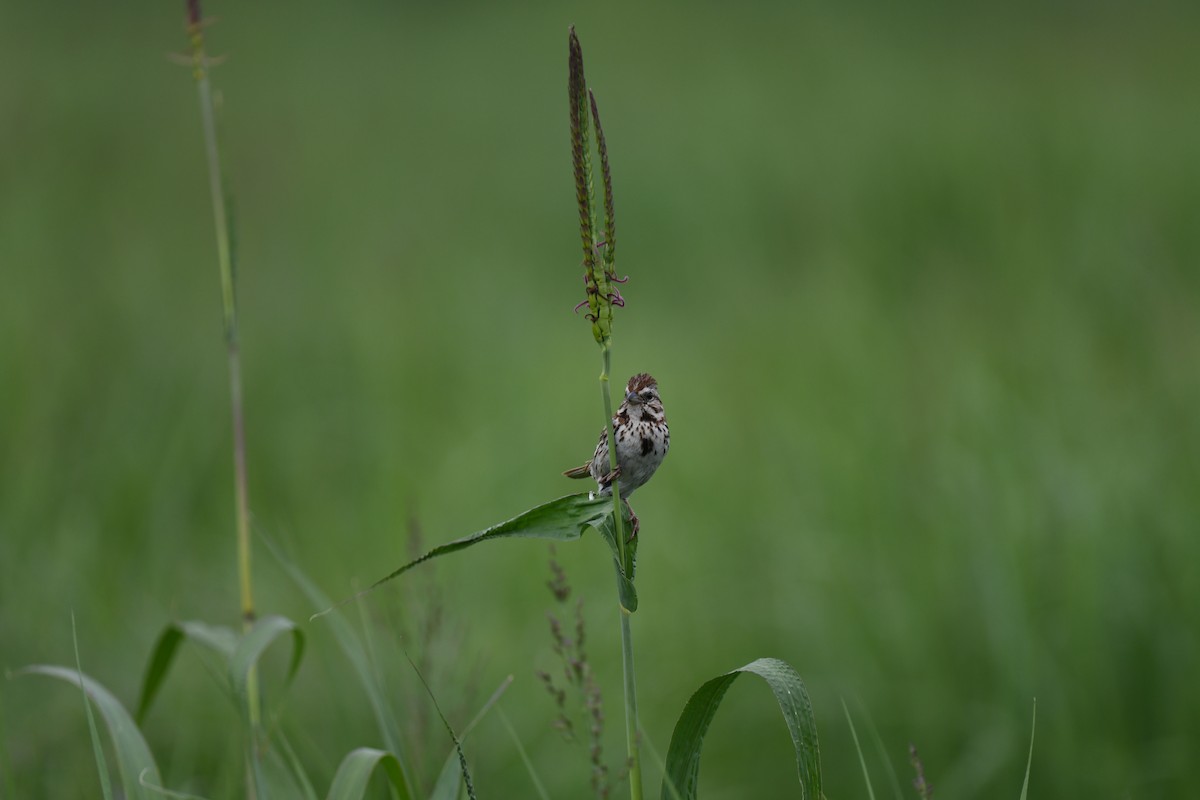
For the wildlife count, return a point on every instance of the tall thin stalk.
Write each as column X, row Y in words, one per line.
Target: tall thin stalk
column 229, row 303
column 602, row 296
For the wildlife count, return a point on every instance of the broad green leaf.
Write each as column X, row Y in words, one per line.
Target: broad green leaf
column 251, row 647
column 134, row 759
column 354, row 773
column 352, row 646
column 683, row 756
column 564, row 519
column 625, row 571
column 217, row 638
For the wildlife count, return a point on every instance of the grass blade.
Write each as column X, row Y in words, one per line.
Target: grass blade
column 564, row 519
column 447, row 788
column 219, row 639
column 683, row 755
column 512, row 732
column 97, row 748
column 352, row 646
column 134, row 759
column 354, row 773
column 251, row 647
column 861, row 759
column 881, row 751
column 1029, row 761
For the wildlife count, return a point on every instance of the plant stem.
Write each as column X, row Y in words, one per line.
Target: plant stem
column 631, row 716
column 229, row 306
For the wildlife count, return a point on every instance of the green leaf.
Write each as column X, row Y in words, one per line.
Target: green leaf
column 134, row 759
column 217, row 638
column 352, row 646
column 563, row 520
column 625, row 589
column 354, row 773
column 1029, row 762
column 251, row 647
column 861, row 758
column 97, row 748
column 683, row 756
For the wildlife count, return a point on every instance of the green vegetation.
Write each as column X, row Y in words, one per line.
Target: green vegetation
column 919, row 287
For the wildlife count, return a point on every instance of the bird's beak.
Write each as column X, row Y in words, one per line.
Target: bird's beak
column 632, row 397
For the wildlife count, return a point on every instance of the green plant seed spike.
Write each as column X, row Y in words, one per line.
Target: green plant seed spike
column 134, row 759
column 683, row 756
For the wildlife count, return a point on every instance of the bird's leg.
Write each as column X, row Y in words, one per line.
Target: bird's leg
column 633, row 522
column 608, row 479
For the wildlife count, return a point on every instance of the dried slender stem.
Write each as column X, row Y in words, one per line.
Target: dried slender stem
column 229, row 306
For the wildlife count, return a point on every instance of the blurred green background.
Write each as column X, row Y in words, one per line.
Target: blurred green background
column 919, row 284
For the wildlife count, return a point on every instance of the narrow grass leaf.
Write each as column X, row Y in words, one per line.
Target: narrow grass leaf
column 354, row 774
column 881, row 751
column 351, row 646
column 293, row 761
column 564, row 519
column 683, row 756
column 162, row 791
column 251, row 647
column 93, row 731
column 1029, row 761
column 448, row 789
column 533, row 776
column 134, row 759
column 450, row 779
column 861, row 758
column 220, row 639
column 658, row 762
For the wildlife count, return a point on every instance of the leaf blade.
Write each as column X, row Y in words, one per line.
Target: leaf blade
column 251, row 647
column 562, row 520
column 354, row 773
column 683, row 755
column 134, row 759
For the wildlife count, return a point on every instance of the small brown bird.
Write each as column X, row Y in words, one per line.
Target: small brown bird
column 643, row 439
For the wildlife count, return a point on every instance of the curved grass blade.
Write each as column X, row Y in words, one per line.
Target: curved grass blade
column 162, row 791
column 218, row 638
column 862, row 760
column 450, row 779
column 683, row 756
column 134, row 759
column 1029, row 762
column 450, row 788
column 564, row 519
column 354, row 773
column 533, row 776
column 251, row 647
column 93, row 732
column 351, row 645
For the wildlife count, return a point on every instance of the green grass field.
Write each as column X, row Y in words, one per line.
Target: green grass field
column 919, row 286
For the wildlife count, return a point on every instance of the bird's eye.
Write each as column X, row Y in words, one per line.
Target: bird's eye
column 646, row 395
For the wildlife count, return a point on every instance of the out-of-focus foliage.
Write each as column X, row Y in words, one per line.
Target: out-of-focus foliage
column 919, row 285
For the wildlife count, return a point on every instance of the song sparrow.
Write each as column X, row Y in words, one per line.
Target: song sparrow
column 643, row 439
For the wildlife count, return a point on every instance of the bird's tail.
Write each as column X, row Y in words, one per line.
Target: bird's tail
column 584, row 471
